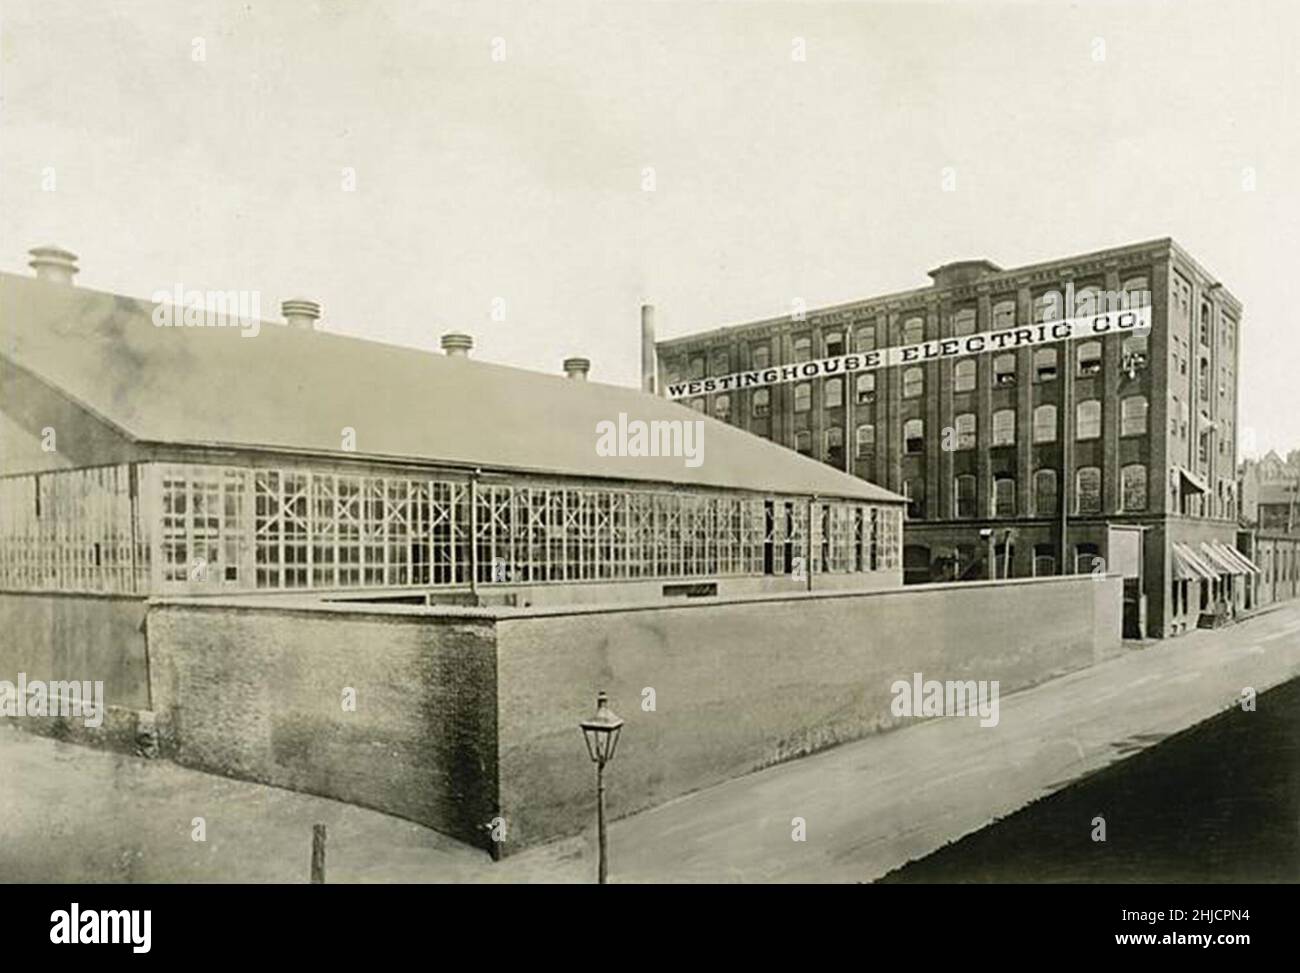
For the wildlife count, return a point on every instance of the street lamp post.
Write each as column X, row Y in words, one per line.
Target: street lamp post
column 601, row 734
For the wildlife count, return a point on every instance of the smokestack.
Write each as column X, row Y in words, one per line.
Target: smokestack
column 53, row 264
column 300, row 313
column 456, row 344
column 648, row 369
column 577, row 368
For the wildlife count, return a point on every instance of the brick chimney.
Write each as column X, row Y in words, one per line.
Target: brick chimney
column 577, row 368
column 456, row 344
column 300, row 313
column 53, row 264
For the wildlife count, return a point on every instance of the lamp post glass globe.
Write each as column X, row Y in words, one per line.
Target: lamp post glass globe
column 601, row 731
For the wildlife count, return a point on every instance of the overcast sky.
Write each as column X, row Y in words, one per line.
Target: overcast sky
column 519, row 177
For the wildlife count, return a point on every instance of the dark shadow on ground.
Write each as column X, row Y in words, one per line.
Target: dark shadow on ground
column 1219, row 802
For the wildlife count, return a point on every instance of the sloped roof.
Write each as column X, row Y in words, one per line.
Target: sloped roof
column 296, row 390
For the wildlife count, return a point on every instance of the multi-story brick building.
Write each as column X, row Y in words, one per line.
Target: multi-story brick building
column 1051, row 456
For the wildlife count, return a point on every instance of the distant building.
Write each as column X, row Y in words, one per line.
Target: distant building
column 1270, row 489
column 143, row 460
column 1053, row 457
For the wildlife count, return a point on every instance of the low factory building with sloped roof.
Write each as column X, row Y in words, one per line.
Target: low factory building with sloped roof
column 143, row 455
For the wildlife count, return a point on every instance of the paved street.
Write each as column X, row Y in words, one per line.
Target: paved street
column 72, row 814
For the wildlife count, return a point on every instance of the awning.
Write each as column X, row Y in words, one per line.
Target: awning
column 1220, row 561
column 1234, row 555
column 1188, row 566
column 1191, row 479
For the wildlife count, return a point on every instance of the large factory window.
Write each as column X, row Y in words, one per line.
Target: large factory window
column 208, row 527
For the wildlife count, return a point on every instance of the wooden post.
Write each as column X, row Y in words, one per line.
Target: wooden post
column 318, row 854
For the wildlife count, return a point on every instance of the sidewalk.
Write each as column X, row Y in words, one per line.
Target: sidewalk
column 869, row 807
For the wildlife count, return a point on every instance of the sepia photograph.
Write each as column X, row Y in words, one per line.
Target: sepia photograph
column 650, row 442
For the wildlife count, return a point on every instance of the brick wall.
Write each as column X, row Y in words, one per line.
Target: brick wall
column 74, row 636
column 257, row 693
column 740, row 685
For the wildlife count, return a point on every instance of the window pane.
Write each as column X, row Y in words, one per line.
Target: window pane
column 963, row 376
column 1004, row 497
column 913, row 383
column 1045, row 365
column 966, row 429
column 1045, row 424
column 1088, row 482
column 1134, row 487
column 1090, row 358
column 914, row 436
column 1004, row 427
column 1045, row 493
column 1004, row 370
column 1133, row 415
column 1088, row 419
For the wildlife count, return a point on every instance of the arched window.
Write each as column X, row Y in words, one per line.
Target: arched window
column 964, row 496
column 913, row 383
column 802, row 397
column 963, row 375
column 1047, row 307
column 1004, row 315
column 1087, row 499
column 1087, row 301
column 965, row 425
column 1133, row 353
column 1089, row 358
column 1004, row 370
column 802, row 348
column 1045, row 423
column 719, row 363
column 913, row 331
column 914, row 436
column 833, row 342
column 914, row 490
column 1044, row 560
column 1004, row 496
column 803, row 442
column 1004, row 427
column 963, row 322
column 866, row 437
column 866, row 386
column 835, row 446
column 1133, row 415
column 1087, row 558
column 722, row 406
column 864, row 337
column 762, row 403
column 834, row 393
column 1088, row 419
column 1137, row 292
column 1133, row 487
column 760, row 356
column 1046, row 496
column 1044, row 364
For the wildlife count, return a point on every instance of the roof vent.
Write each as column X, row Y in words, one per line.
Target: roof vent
column 299, row 313
column 53, row 263
column 457, row 344
column 577, row 368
